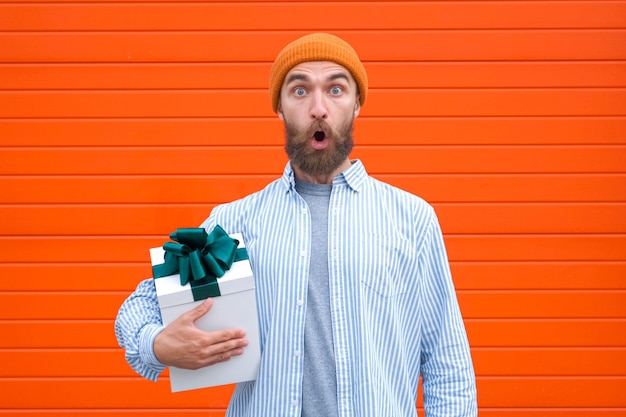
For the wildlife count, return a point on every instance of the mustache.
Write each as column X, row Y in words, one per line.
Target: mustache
column 318, row 125
column 303, row 133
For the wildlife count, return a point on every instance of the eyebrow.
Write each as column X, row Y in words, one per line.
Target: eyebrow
column 303, row 77
column 338, row 75
column 296, row 76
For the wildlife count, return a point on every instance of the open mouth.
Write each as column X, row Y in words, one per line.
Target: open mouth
column 319, row 135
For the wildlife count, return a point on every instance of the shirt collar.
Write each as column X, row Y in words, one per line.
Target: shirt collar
column 353, row 177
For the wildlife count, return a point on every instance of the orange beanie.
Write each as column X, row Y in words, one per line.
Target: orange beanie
column 316, row 47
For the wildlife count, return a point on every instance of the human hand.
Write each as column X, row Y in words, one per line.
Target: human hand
column 183, row 345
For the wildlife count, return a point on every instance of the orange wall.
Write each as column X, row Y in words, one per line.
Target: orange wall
column 120, row 122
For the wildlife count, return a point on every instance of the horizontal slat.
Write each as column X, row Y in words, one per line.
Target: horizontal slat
column 369, row 131
column 133, row 189
column 460, row 247
column 539, row 304
column 442, row 188
column 71, row 249
column 77, row 277
column 571, row 275
column 45, row 363
column 467, row 276
column 168, row 132
column 251, row 46
column 254, row 103
column 116, row 393
column 488, row 412
column 456, row 218
column 546, row 333
column 61, row 334
column 551, row 392
column 550, row 412
column 537, row 247
column 168, row 1
column 272, row 159
column 67, row 363
column 108, row 393
column 73, row 334
column 134, row 412
column 474, row 304
column 120, row 220
column 321, row 16
column 255, row 75
column 56, row 306
column 484, row 411
column 549, row 361
column 511, row 188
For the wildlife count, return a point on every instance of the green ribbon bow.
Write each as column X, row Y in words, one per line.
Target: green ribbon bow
column 200, row 259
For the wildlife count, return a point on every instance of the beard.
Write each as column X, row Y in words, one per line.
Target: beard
column 319, row 162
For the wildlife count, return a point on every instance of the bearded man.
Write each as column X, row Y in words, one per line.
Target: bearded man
column 353, row 287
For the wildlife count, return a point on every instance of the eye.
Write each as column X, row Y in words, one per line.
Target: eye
column 299, row 91
column 336, row 90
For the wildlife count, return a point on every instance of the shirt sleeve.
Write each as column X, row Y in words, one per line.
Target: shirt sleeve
column 137, row 324
column 448, row 379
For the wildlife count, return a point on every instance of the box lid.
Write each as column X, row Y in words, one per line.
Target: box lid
column 169, row 291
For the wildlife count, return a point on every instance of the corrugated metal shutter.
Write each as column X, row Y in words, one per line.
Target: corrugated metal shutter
column 121, row 121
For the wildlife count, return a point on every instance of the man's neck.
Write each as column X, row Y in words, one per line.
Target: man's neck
column 320, row 179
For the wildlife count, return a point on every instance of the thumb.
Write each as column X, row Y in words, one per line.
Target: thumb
column 200, row 310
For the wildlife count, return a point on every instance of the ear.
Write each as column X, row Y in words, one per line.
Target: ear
column 357, row 107
column 279, row 111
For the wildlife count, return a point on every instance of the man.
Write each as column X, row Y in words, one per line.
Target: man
column 353, row 287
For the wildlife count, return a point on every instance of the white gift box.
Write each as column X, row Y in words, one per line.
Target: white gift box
column 234, row 308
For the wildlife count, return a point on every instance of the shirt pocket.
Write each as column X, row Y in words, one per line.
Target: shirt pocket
column 383, row 265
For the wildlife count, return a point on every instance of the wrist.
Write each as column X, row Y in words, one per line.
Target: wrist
column 147, row 336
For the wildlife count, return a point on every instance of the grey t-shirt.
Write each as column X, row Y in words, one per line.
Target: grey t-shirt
column 319, row 383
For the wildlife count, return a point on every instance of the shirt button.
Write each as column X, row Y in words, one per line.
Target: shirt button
column 296, row 353
column 300, row 303
column 302, row 252
column 294, row 402
column 303, row 210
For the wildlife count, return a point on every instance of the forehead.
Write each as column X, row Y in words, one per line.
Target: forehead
column 318, row 70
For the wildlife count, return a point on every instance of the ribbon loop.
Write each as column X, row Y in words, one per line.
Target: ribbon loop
column 195, row 237
column 198, row 257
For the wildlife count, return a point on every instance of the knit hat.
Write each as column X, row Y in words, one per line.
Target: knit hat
column 316, row 47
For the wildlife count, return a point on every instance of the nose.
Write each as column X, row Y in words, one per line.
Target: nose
column 319, row 109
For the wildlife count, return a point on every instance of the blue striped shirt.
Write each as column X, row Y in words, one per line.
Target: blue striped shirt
column 394, row 310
